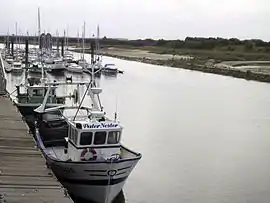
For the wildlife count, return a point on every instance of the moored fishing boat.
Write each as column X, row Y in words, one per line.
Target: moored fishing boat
column 74, row 68
column 88, row 158
column 17, row 67
column 110, row 69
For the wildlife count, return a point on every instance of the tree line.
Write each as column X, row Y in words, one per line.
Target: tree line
column 232, row 44
column 195, row 43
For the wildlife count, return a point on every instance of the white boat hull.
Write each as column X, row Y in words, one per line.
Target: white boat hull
column 99, row 181
column 8, row 68
column 90, row 180
column 75, row 70
column 17, row 70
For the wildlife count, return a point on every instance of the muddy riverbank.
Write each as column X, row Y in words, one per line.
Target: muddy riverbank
column 191, row 63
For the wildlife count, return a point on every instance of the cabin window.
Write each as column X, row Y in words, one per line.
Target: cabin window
column 113, row 137
column 100, row 138
column 72, row 134
column 37, row 92
column 75, row 136
column 86, row 138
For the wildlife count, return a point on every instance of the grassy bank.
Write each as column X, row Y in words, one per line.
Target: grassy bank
column 196, row 63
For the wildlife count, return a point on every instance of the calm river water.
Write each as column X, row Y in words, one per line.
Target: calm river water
column 204, row 138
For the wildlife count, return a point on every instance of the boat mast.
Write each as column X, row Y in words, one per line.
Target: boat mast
column 57, row 43
column 67, row 39
column 83, row 40
column 8, row 43
column 39, row 44
column 78, row 41
column 97, row 42
column 16, row 42
column 39, row 28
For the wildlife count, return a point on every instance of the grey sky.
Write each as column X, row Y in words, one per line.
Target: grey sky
column 131, row 19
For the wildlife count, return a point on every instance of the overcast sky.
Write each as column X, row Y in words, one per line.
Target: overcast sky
column 168, row 19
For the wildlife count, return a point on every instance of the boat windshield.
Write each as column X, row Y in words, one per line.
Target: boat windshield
column 99, row 138
column 17, row 65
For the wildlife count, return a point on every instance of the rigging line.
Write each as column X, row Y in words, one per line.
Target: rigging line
column 82, row 100
column 99, row 101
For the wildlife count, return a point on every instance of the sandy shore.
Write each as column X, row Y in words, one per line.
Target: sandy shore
column 249, row 70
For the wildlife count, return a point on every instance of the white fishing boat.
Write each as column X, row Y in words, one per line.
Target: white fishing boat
column 8, row 66
column 17, row 67
column 110, row 69
column 58, row 66
column 88, row 159
column 68, row 57
column 36, row 68
column 74, row 68
column 49, row 60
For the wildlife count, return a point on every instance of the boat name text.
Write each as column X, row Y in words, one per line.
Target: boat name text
column 101, row 125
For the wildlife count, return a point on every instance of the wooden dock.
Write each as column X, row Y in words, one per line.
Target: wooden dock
column 24, row 177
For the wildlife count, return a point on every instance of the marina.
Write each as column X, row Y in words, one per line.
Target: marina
column 84, row 149
column 95, row 119
column 199, row 155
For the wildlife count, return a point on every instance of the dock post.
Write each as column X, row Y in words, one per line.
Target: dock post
column 3, row 80
column 57, row 46
column 62, row 47
column 26, row 53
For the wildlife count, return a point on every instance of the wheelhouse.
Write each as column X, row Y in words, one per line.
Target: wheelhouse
column 36, row 94
column 94, row 141
column 17, row 64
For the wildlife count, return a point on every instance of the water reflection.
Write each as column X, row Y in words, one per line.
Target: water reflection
column 120, row 198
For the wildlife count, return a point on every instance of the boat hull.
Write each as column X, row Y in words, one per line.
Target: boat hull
column 57, row 71
column 8, row 69
column 98, row 181
column 17, row 70
column 90, row 180
column 74, row 70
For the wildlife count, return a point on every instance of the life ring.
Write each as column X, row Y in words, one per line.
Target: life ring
column 88, row 154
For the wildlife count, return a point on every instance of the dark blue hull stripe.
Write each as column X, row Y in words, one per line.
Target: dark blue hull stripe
column 94, row 182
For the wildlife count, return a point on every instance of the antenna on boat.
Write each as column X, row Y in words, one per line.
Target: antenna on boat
column 83, row 34
column 115, row 114
column 39, row 28
column 116, row 108
column 98, row 46
column 16, row 39
column 67, row 39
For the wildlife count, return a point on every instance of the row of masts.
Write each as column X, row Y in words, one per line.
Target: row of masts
column 65, row 36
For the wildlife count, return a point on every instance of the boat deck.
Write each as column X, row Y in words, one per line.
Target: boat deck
column 24, row 177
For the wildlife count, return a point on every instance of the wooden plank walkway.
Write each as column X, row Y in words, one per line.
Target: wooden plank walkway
column 24, row 177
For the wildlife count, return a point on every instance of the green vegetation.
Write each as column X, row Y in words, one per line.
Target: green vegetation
column 205, row 48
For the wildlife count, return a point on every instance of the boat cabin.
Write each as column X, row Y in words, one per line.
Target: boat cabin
column 36, row 94
column 94, row 141
column 17, row 64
